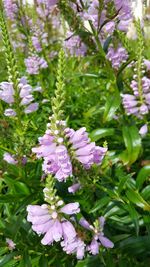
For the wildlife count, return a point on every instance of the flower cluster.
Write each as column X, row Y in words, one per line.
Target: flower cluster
column 11, row 8
column 7, row 93
column 74, row 45
column 92, row 14
column 97, row 17
column 100, row 17
column 39, row 36
column 35, row 63
column 57, row 156
column 45, row 8
column 117, row 56
column 125, row 15
column 138, row 103
column 51, row 221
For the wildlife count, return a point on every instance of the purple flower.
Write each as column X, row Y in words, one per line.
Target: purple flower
column 11, row 8
column 57, row 162
column 85, row 152
column 109, row 27
column 147, row 64
column 25, row 90
column 71, row 208
column 76, row 246
column 98, row 235
column 92, row 14
column 31, row 108
column 49, row 221
column 143, row 130
column 34, row 64
column 9, row 112
column 11, row 244
column 56, row 158
column 7, row 92
column 74, row 45
column 125, row 14
column 64, row 164
column 117, row 56
column 85, row 223
column 138, row 104
column 93, row 248
column 24, row 160
column 73, row 188
column 9, row 158
column 69, row 233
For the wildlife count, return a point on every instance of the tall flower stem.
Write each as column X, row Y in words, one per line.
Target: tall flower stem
column 59, row 98
column 140, row 51
column 13, row 74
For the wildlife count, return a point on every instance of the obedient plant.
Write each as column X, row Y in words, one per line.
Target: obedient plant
column 138, row 103
column 74, row 187
column 61, row 147
column 16, row 91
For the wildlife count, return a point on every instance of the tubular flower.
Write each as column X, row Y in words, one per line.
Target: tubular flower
column 74, row 45
column 86, row 153
column 125, row 15
column 56, row 155
column 11, row 244
column 50, row 221
column 9, row 158
column 56, row 158
column 117, row 56
column 34, row 64
column 7, row 93
column 98, row 235
column 138, row 104
column 11, row 8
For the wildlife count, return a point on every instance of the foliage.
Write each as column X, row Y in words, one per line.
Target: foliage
column 86, row 90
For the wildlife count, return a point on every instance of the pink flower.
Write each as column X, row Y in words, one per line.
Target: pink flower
column 11, row 244
column 74, row 188
column 31, row 108
column 85, row 152
column 7, row 92
column 50, row 222
column 9, row 112
column 9, row 158
column 143, row 130
column 98, row 235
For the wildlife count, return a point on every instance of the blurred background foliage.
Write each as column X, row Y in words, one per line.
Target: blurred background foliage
column 120, row 190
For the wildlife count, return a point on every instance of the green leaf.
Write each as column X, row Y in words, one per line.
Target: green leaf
column 143, row 174
column 21, row 188
column 134, row 216
column 9, row 198
column 136, row 245
column 100, row 203
column 43, row 261
column 93, row 261
column 101, row 133
column 122, row 183
column 7, row 258
column 137, row 199
column 132, row 141
column 112, row 104
column 145, row 193
column 16, row 186
column 26, row 259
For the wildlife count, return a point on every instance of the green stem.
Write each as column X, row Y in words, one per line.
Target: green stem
column 13, row 74
column 139, row 59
